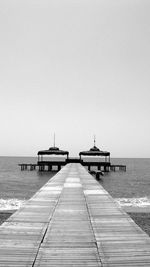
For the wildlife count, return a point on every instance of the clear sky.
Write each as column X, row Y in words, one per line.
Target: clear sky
column 76, row 68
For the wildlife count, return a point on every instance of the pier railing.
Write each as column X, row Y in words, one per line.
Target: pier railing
column 57, row 165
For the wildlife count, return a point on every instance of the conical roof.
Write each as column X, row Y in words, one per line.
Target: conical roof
column 94, row 151
column 53, row 151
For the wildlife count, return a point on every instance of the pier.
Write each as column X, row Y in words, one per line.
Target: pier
column 117, row 167
column 57, row 165
column 27, row 166
column 72, row 221
column 92, row 158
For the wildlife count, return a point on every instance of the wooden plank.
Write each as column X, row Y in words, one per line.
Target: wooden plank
column 120, row 241
column 69, row 239
column 22, row 234
column 72, row 221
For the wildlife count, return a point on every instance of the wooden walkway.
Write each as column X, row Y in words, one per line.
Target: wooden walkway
column 72, row 221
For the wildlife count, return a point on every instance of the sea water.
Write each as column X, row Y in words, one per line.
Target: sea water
column 17, row 186
column 130, row 188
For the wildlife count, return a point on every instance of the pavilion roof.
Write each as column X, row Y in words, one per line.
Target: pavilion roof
column 53, row 151
column 94, row 151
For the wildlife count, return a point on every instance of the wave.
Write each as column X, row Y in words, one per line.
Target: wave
column 134, row 202
column 11, row 204
column 15, row 204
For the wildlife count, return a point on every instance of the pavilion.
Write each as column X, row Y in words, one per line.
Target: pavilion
column 91, row 158
column 44, row 161
column 102, row 158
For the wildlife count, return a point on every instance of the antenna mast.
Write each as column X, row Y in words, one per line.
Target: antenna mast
column 54, row 139
column 94, row 139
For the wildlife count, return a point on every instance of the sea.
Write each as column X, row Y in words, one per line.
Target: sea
column 129, row 189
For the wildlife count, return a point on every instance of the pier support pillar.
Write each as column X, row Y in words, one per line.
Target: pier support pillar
column 107, row 168
column 49, row 168
column 99, row 168
column 59, row 167
column 31, row 168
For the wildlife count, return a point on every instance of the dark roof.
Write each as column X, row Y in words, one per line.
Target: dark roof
column 53, row 151
column 94, row 151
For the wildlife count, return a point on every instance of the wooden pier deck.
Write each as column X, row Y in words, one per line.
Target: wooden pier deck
column 72, row 221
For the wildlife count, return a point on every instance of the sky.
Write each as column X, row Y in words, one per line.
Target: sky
column 78, row 68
